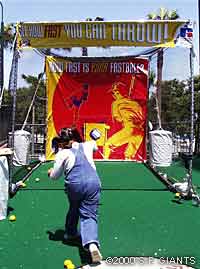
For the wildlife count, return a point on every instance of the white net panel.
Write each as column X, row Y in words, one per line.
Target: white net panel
column 160, row 147
column 21, row 147
column 4, row 182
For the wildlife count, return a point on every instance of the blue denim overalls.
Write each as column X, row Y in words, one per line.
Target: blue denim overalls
column 83, row 190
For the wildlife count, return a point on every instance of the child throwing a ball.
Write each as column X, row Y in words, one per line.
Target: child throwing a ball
column 82, row 186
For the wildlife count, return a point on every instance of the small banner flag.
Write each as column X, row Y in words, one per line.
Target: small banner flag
column 185, row 37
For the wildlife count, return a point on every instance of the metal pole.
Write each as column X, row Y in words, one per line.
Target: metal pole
column 190, row 187
column 2, row 53
column 33, row 131
column 199, row 31
column 14, row 91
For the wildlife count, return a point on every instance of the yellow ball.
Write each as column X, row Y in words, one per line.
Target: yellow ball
column 177, row 194
column 37, row 179
column 71, row 266
column 23, row 185
column 29, row 168
column 12, row 218
column 68, row 264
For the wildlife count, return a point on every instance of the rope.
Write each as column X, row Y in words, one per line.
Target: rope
column 40, row 77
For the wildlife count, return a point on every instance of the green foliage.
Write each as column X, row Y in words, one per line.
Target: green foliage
column 24, row 98
column 152, row 77
column 151, row 16
column 176, row 103
column 8, row 35
column 163, row 14
column 175, row 99
column 173, row 15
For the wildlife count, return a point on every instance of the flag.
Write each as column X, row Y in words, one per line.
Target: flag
column 186, row 32
column 185, row 37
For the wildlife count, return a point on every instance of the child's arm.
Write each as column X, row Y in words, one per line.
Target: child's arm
column 56, row 171
column 95, row 134
column 14, row 187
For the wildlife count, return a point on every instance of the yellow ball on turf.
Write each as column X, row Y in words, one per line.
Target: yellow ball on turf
column 12, row 218
column 37, row 179
column 68, row 264
column 177, row 194
column 71, row 266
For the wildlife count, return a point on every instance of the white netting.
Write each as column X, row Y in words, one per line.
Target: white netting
column 161, row 147
column 4, row 182
column 21, row 147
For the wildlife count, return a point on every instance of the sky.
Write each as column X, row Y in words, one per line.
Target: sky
column 176, row 60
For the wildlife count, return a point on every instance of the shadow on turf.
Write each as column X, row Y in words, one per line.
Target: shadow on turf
column 177, row 201
column 9, row 210
column 58, row 235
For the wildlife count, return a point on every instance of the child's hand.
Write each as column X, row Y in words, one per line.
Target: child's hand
column 49, row 171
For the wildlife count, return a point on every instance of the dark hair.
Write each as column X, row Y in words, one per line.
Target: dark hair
column 68, row 134
column 55, row 144
column 65, row 135
column 76, row 135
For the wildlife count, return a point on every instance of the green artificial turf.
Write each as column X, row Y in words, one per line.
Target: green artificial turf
column 114, row 175
column 144, row 220
column 19, row 172
column 127, row 175
column 177, row 171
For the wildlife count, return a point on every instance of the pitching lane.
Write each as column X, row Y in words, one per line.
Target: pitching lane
column 114, row 176
column 131, row 223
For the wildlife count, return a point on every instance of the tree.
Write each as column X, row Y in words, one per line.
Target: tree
column 176, row 105
column 152, row 77
column 8, row 36
column 153, row 102
column 162, row 14
column 39, row 105
column 24, row 97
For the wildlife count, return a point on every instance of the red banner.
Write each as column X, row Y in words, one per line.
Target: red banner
column 110, row 95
